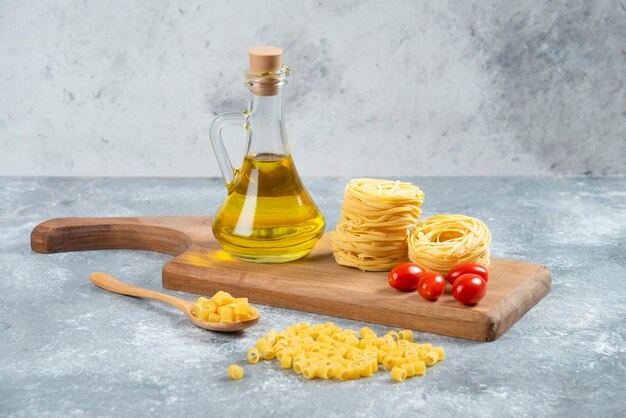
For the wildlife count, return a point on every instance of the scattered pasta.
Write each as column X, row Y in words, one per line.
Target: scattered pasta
column 375, row 217
column 326, row 351
column 222, row 307
column 235, row 372
column 253, row 355
column 443, row 241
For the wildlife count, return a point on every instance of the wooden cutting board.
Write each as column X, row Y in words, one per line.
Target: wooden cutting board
column 313, row 284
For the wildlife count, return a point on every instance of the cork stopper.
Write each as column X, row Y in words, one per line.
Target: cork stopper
column 265, row 59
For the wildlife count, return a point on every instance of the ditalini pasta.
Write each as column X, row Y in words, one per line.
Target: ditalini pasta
column 325, row 351
column 222, row 307
column 375, row 218
column 235, row 372
column 398, row 374
column 443, row 241
column 253, row 355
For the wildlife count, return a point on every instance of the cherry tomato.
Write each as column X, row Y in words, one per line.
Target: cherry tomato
column 469, row 289
column 466, row 268
column 431, row 285
column 405, row 277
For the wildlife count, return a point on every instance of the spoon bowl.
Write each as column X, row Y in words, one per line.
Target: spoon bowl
column 110, row 283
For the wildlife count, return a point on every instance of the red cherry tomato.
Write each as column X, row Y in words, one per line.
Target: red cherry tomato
column 467, row 268
column 431, row 285
column 405, row 277
column 469, row 289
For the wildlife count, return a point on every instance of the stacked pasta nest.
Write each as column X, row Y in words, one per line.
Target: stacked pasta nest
column 375, row 217
column 443, row 241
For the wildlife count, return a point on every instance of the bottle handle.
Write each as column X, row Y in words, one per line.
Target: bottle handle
column 215, row 133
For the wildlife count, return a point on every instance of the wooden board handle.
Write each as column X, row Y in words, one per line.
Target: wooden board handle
column 80, row 234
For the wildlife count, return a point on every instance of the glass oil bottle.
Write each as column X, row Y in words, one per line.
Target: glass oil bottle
column 268, row 215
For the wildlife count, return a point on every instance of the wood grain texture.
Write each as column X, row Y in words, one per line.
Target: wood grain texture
column 313, row 284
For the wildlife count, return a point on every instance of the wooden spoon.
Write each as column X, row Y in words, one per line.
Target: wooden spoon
column 114, row 285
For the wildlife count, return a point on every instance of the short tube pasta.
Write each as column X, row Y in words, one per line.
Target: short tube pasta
column 285, row 362
column 398, row 374
column 406, row 335
column 325, row 351
column 420, row 368
column 222, row 307
column 431, row 358
column 310, row 372
column 253, row 355
column 235, row 372
column 410, row 369
column 440, row 352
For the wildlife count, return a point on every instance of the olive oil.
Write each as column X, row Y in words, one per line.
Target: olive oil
column 268, row 216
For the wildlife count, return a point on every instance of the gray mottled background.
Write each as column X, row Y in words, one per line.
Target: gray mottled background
column 380, row 88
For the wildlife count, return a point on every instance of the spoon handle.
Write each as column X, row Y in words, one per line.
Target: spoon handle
column 110, row 283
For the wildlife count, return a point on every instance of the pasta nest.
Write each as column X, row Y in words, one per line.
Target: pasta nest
column 375, row 217
column 443, row 241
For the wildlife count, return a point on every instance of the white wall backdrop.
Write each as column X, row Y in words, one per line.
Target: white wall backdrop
column 380, row 88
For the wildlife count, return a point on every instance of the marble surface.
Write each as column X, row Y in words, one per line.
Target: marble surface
column 68, row 348
column 455, row 87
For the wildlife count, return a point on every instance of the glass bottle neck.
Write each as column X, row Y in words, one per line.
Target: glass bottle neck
column 266, row 130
